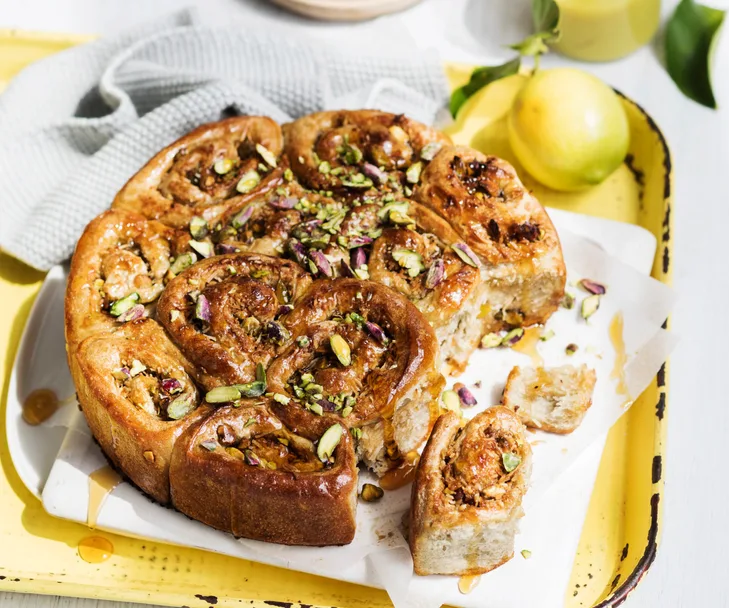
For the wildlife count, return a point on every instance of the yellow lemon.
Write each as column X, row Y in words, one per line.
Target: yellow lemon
column 568, row 129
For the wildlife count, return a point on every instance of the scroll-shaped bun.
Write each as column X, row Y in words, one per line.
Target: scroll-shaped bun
column 352, row 152
column 138, row 394
column 242, row 471
column 489, row 207
column 466, row 500
column 120, row 256
column 367, row 360
column 225, row 313
column 551, row 399
column 200, row 172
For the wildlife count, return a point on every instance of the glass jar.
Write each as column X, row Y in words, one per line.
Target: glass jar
column 603, row 30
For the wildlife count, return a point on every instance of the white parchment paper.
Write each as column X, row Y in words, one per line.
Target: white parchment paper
column 555, row 504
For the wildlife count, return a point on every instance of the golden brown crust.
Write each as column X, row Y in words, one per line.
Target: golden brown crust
column 127, row 410
column 119, row 253
column 387, row 339
column 246, row 295
column 228, row 483
column 463, row 487
column 181, row 181
column 349, row 140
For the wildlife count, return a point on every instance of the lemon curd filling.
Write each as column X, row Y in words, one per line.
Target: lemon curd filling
column 603, row 30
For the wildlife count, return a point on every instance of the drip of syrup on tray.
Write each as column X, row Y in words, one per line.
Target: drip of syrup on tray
column 618, row 342
column 402, row 474
column 40, row 405
column 101, row 483
column 528, row 345
column 95, row 549
column 466, row 584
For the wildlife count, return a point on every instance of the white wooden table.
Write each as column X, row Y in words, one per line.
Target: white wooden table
column 690, row 568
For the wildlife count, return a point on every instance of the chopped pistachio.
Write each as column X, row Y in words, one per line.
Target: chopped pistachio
column 399, row 207
column 410, row 260
column 198, row 227
column 589, row 306
column 303, row 341
column 568, row 301
column 413, row 172
column 356, row 433
column 261, row 373
column 526, row 554
column 288, row 175
column 183, row 262
column 251, row 389
column 547, row 335
column 328, row 442
column 451, row 401
column 362, row 273
column 204, row 248
column 371, row 492
column 341, row 349
column 209, row 445
column 137, row 368
column 180, row 407
column 513, row 336
column 174, row 315
column 249, row 181
column 121, row 374
column 430, row 150
column 491, row 340
column 223, row 166
column 235, row 453
column 282, row 399
column 306, row 379
column 283, row 441
column 122, row 305
column 249, row 422
column 346, row 411
column 266, row 155
column 510, row 461
column 324, row 167
column 222, row 394
column 317, row 409
column 571, row 349
column 467, row 256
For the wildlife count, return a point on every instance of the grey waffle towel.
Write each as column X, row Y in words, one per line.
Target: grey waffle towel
column 77, row 125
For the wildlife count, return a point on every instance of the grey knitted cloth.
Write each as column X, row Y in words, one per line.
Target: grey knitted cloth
column 77, row 125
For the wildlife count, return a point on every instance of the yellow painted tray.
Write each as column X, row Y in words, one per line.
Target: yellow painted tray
column 619, row 538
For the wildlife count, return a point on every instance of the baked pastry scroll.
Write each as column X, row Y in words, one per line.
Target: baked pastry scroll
column 488, row 206
column 225, row 313
column 242, row 471
column 197, row 175
column 466, row 499
column 138, row 394
column 360, row 357
column 359, row 152
column 550, row 399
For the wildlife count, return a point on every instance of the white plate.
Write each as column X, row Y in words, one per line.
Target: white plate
column 551, row 530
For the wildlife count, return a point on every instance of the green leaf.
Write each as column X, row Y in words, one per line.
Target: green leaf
column 545, row 14
column 479, row 79
column 689, row 37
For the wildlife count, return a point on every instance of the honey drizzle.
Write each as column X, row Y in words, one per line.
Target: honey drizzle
column 621, row 358
column 40, row 405
column 101, row 483
column 466, row 584
column 402, row 474
column 528, row 345
column 95, row 549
